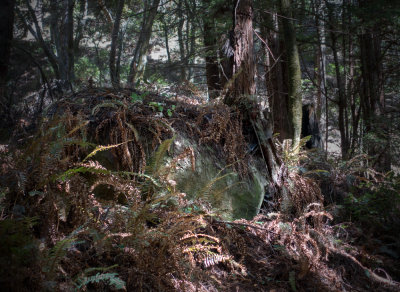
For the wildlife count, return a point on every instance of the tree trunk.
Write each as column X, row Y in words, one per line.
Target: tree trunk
column 69, row 41
column 241, row 88
column 114, row 74
column 243, row 82
column 276, row 74
column 191, row 37
column 166, row 39
column 372, row 99
column 37, row 33
column 181, row 22
column 62, row 35
column 6, row 36
column 294, row 74
column 344, row 143
column 137, row 65
column 81, row 24
column 211, row 55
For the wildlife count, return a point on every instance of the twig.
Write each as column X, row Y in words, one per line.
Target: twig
column 265, row 43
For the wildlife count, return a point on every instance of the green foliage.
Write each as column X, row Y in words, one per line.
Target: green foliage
column 95, row 170
column 375, row 203
column 156, row 162
column 85, row 68
column 171, row 110
column 156, row 106
column 112, row 279
column 16, row 239
column 290, row 155
column 56, row 254
column 135, row 97
column 103, row 148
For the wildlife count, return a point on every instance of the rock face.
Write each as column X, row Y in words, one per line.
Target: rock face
column 215, row 182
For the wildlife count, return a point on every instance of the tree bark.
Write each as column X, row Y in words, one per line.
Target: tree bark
column 275, row 75
column 166, row 38
column 181, row 22
column 37, row 33
column 372, row 99
column 322, row 90
column 241, row 88
column 342, row 102
column 114, row 74
column 211, row 54
column 294, row 74
column 137, row 65
column 6, row 36
column 69, row 41
column 243, row 82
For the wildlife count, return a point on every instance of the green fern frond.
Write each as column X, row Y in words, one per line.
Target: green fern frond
column 157, row 159
column 207, row 188
column 86, row 169
column 82, row 169
column 78, row 127
column 112, row 279
column 135, row 132
column 103, row 148
column 56, row 254
column 81, row 143
column 102, row 269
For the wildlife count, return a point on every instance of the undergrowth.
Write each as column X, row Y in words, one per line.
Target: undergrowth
column 94, row 207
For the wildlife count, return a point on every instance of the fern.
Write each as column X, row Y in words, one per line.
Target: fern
column 102, row 269
column 212, row 259
column 290, row 154
column 112, row 278
column 56, row 254
column 60, row 250
column 96, row 170
column 103, row 148
column 156, row 161
column 207, row 188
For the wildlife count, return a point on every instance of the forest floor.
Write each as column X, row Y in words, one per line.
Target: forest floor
column 139, row 233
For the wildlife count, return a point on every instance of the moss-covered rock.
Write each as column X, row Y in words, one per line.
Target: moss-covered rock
column 216, row 182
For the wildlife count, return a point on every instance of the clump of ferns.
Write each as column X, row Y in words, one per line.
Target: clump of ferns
column 206, row 251
column 51, row 258
column 58, row 142
column 98, row 275
column 122, row 124
column 303, row 239
column 220, row 126
column 291, row 156
column 155, row 186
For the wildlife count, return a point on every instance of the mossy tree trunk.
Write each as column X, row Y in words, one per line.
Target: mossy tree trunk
column 294, row 73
